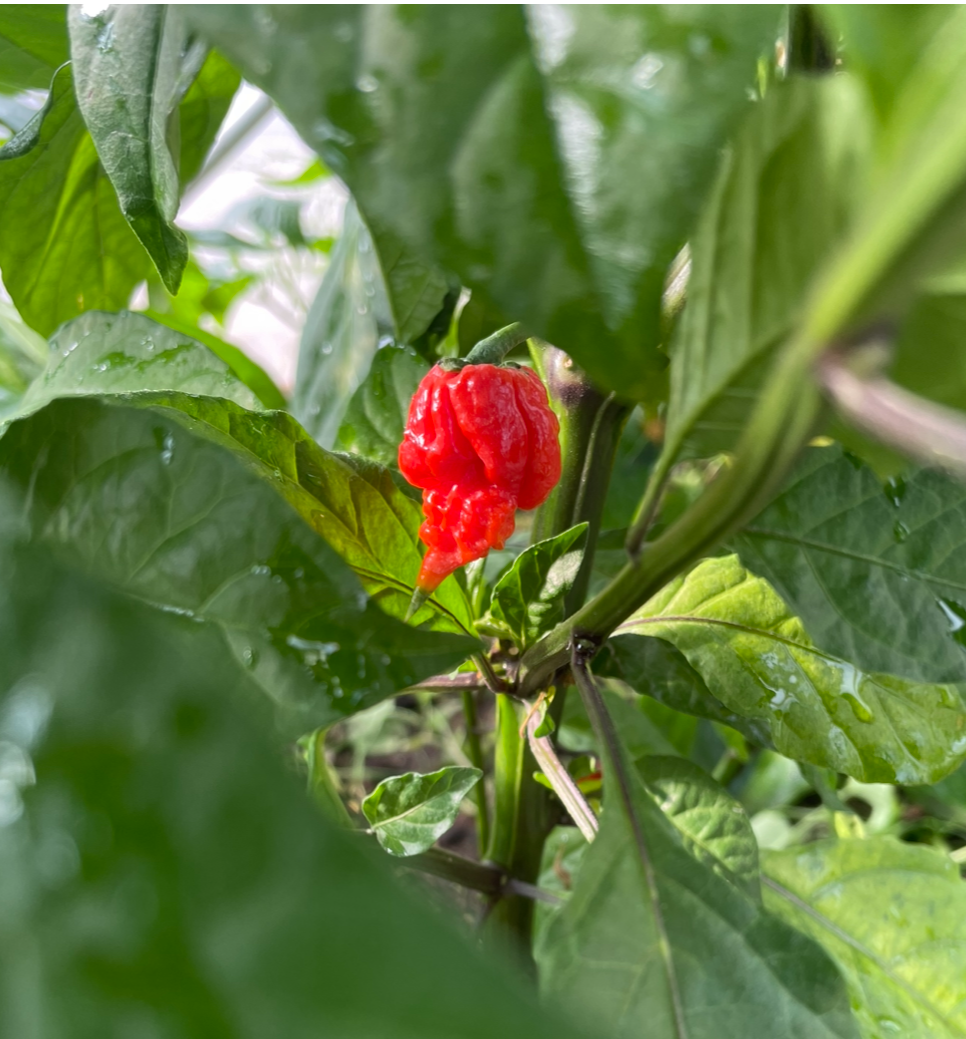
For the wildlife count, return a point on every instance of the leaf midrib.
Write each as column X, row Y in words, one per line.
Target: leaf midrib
column 854, row 944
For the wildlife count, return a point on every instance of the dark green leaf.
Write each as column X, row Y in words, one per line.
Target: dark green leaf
column 132, row 65
column 374, row 420
column 129, row 360
column 64, row 245
column 781, row 204
column 554, row 159
column 714, row 826
column 653, row 942
column 528, row 600
column 409, row 813
column 655, row 669
column 877, row 574
column 756, row 658
column 169, row 877
column 893, row 917
column 33, row 42
column 201, row 112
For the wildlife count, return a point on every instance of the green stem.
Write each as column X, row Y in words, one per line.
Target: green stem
column 494, row 348
column 475, row 753
column 477, row 876
column 507, row 772
column 322, row 783
column 780, row 425
column 808, row 47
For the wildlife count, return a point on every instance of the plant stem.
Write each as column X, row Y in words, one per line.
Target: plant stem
column 494, row 348
column 563, row 785
column 475, row 753
column 322, row 784
column 507, row 771
column 780, row 425
column 477, row 876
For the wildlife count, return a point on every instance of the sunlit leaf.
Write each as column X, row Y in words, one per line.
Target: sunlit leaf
column 756, row 658
column 409, row 813
column 893, row 917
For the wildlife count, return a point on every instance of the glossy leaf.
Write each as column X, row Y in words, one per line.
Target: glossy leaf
column 33, row 42
column 893, row 917
column 755, row 254
column 376, row 415
column 877, row 573
column 131, row 64
column 652, row 941
column 553, row 159
column 64, row 245
column 656, row 669
column 131, row 361
column 715, row 827
column 756, row 658
column 341, row 333
column 167, row 873
column 528, row 600
column 409, row 813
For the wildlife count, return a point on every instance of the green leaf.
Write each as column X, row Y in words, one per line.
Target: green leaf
column 892, row 916
column 782, row 202
column 409, row 813
column 376, row 415
column 341, row 332
column 882, row 43
column 23, row 355
column 130, row 361
column 654, row 942
column 756, row 658
column 64, row 245
column 202, row 111
column 528, row 600
column 715, row 827
column 168, row 875
column 553, row 158
column 251, row 374
column 33, row 42
column 877, row 573
column 657, row 670
column 131, row 66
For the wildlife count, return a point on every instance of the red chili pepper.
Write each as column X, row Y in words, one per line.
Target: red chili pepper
column 481, row 442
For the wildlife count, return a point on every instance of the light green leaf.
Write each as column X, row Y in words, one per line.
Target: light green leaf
column 877, row 573
column 341, row 333
column 756, row 658
column 167, row 874
column 23, row 355
column 893, row 917
column 715, row 827
column 132, row 64
column 130, row 361
column 554, row 158
column 882, row 43
column 64, row 245
column 653, row 942
column 33, row 42
column 528, row 600
column 376, row 415
column 782, row 202
column 409, row 813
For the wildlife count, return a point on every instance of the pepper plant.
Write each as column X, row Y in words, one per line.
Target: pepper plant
column 725, row 245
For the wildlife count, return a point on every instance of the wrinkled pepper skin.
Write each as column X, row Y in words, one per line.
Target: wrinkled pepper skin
column 480, row 442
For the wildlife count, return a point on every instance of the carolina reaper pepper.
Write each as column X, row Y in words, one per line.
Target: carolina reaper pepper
column 481, row 442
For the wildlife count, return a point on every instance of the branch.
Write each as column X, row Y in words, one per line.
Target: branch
column 560, row 779
column 449, row 683
column 928, row 432
column 477, row 876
